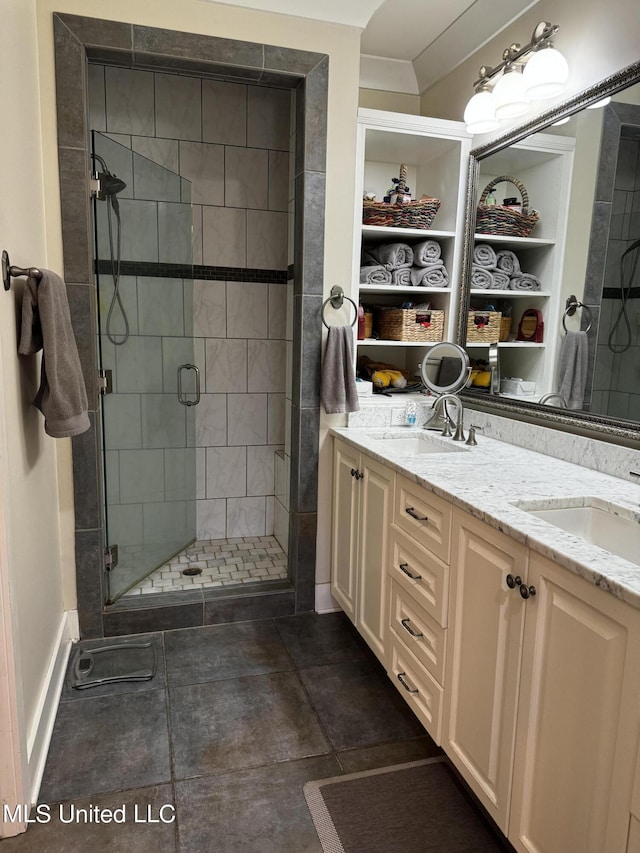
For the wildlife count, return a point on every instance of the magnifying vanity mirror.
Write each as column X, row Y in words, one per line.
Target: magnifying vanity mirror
column 575, row 270
column 446, row 369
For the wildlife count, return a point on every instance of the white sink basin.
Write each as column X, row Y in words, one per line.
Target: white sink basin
column 413, row 444
column 604, row 524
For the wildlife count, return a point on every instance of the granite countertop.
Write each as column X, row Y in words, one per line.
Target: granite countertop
column 486, row 479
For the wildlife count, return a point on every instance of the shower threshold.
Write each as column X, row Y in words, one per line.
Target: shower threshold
column 211, row 563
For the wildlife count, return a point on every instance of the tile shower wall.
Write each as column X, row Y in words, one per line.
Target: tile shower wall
column 617, row 376
column 232, row 143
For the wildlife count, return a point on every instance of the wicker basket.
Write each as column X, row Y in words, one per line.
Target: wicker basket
column 412, row 214
column 505, row 328
column 483, row 327
column 497, row 219
column 410, row 324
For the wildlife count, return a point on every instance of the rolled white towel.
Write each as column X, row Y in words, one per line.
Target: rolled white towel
column 501, row 280
column 393, row 256
column 484, row 256
column 433, row 276
column 524, row 281
column 426, row 253
column 374, row 275
column 481, row 278
column 401, row 277
column 508, row 262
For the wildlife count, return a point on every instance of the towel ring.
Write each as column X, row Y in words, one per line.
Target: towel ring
column 572, row 305
column 336, row 299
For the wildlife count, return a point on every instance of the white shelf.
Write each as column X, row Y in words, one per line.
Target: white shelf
column 515, row 242
column 375, row 342
column 479, row 291
column 390, row 288
column 508, row 345
column 383, row 232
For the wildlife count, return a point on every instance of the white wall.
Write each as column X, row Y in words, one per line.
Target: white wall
column 596, row 38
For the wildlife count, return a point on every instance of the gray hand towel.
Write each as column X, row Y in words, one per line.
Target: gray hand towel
column 46, row 326
column 484, row 256
column 338, row 383
column 572, row 370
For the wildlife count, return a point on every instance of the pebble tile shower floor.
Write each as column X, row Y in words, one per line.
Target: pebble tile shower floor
column 223, row 562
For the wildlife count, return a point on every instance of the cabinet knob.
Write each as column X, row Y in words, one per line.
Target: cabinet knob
column 527, row 591
column 353, row 472
column 513, row 582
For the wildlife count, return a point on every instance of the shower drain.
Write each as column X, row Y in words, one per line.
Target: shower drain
column 192, row 570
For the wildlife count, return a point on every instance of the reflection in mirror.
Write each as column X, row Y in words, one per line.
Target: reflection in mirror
column 561, row 291
column 445, row 370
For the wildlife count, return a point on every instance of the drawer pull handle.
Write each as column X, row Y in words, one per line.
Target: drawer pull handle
column 404, row 567
column 406, row 684
column 414, row 514
column 406, row 624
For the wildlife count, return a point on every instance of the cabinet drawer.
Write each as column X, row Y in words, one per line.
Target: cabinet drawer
column 420, row 689
column 418, row 631
column 424, row 516
column 422, row 575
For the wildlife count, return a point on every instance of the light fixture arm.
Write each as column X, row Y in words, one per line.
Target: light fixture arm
column 541, row 37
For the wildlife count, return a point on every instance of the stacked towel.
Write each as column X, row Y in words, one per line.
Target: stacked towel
column 500, row 280
column 426, row 253
column 374, row 275
column 435, row 275
column 481, row 278
column 484, row 256
column 402, row 277
column 507, row 262
column 524, row 281
column 393, row 256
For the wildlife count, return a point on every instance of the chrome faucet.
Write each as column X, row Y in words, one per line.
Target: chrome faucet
column 440, row 417
column 546, row 397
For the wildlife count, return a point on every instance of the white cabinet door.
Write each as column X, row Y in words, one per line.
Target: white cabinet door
column 344, row 539
column 577, row 717
column 376, row 503
column 483, row 660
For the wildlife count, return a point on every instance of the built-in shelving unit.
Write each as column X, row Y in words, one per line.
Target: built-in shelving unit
column 436, row 153
column 543, row 163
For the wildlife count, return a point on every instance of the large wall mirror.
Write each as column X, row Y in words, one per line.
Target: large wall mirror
column 559, row 289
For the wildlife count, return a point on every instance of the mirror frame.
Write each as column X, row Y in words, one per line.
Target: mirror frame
column 603, row 427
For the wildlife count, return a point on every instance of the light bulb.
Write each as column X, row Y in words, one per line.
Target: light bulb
column 480, row 113
column 545, row 74
column 510, row 97
column 602, row 103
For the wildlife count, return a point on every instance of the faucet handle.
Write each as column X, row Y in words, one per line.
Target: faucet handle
column 472, row 435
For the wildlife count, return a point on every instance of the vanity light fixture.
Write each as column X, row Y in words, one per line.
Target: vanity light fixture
column 528, row 73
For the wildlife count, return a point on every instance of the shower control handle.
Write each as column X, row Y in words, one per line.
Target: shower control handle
column 181, row 395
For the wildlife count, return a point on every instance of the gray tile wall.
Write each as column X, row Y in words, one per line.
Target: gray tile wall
column 232, row 142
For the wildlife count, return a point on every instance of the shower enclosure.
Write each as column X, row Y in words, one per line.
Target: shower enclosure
column 144, row 272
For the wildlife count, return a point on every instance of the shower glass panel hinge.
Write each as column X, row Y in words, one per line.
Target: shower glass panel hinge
column 105, row 381
column 95, row 187
column 110, row 557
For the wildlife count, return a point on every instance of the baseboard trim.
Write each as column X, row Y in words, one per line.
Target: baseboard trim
column 39, row 738
column 325, row 603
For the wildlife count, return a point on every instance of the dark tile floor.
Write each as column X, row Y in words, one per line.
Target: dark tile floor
column 236, row 720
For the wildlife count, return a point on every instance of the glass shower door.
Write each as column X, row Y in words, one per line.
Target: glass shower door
column 144, row 270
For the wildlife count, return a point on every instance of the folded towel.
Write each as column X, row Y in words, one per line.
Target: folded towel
column 524, row 281
column 393, row 256
column 46, row 326
column 501, row 280
column 338, row 382
column 484, row 256
column 367, row 259
column 426, row 253
column 481, row 278
column 508, row 262
column 401, row 277
column 435, row 275
column 374, row 275
column 572, row 369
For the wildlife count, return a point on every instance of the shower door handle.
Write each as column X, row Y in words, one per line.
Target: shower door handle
column 181, row 395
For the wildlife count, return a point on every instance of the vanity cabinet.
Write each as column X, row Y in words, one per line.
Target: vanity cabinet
column 541, row 695
column 436, row 154
column 362, row 505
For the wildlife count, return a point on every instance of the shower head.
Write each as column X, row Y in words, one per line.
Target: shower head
column 111, row 184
